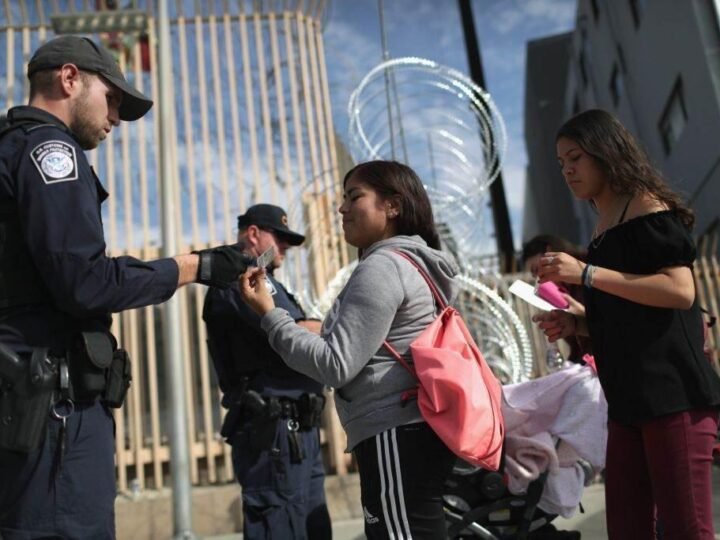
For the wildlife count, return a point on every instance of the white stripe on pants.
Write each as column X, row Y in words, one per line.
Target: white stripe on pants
column 391, row 488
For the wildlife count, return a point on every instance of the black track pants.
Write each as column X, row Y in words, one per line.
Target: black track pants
column 402, row 474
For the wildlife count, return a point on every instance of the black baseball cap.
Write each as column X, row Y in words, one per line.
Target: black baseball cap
column 272, row 217
column 90, row 56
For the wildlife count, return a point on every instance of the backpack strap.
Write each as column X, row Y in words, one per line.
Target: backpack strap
column 438, row 300
column 393, row 351
column 433, row 288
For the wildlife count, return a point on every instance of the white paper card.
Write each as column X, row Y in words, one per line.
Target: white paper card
column 527, row 292
column 266, row 258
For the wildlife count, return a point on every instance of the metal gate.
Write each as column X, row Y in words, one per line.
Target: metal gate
column 254, row 125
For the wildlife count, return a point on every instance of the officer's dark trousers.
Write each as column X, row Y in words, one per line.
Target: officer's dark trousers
column 282, row 499
column 76, row 502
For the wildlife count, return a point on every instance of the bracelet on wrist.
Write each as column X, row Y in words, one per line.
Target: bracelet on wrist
column 587, row 276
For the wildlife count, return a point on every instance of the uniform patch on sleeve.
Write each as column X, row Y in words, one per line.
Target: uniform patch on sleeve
column 56, row 161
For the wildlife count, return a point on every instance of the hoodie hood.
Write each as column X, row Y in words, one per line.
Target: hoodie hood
column 439, row 265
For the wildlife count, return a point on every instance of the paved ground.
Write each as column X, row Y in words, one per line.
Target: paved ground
column 591, row 523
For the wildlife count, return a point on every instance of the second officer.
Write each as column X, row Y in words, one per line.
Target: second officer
column 274, row 412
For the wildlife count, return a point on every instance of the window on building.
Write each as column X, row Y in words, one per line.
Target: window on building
column 636, row 8
column 595, row 10
column 616, row 84
column 674, row 117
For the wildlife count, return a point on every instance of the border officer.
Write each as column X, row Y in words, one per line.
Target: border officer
column 274, row 412
column 60, row 368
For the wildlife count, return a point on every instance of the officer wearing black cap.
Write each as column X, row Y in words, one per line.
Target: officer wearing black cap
column 273, row 412
column 60, row 367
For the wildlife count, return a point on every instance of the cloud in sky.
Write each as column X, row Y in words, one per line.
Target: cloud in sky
column 517, row 15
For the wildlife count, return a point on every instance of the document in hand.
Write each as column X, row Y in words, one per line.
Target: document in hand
column 266, row 258
column 527, row 292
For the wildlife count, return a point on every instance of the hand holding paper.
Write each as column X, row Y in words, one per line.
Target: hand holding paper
column 551, row 298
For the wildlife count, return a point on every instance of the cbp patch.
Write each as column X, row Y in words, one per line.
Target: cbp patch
column 56, row 161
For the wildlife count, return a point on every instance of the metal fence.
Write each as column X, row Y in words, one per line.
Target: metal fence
column 254, row 126
column 707, row 281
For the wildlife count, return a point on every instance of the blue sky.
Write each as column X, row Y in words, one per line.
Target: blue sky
column 431, row 29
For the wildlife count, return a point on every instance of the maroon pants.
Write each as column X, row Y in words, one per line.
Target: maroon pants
column 661, row 468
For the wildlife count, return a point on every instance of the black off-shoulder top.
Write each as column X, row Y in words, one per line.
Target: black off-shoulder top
column 650, row 360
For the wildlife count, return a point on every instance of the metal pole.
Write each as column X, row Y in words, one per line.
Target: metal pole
column 501, row 216
column 385, row 56
column 174, row 358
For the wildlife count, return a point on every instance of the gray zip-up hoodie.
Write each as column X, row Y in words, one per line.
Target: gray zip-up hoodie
column 385, row 298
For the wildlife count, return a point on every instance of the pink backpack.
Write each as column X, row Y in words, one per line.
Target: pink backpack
column 458, row 395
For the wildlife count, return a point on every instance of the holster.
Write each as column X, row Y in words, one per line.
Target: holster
column 232, row 401
column 27, row 384
column 231, row 421
column 253, row 413
column 89, row 357
column 310, row 407
column 117, row 379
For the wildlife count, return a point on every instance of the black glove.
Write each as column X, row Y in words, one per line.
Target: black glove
column 221, row 266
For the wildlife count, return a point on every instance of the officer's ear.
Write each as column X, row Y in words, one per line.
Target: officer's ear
column 252, row 235
column 71, row 79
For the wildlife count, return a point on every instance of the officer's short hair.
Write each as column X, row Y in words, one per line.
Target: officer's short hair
column 41, row 82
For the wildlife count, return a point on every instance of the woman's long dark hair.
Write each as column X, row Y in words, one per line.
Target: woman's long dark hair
column 393, row 179
column 626, row 165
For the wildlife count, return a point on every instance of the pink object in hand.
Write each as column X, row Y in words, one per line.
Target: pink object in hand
column 550, row 292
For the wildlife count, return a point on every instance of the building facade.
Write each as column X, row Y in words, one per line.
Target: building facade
column 656, row 66
column 547, row 199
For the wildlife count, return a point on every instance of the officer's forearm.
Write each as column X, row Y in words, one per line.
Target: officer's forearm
column 187, row 268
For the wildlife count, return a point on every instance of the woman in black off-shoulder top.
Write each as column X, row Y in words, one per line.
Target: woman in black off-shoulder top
column 646, row 330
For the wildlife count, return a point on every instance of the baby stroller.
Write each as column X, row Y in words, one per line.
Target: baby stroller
column 478, row 504
column 554, row 441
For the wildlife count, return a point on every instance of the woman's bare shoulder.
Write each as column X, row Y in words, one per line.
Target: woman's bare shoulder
column 644, row 203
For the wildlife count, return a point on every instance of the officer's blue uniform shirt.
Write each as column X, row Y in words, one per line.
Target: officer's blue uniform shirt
column 239, row 346
column 58, row 196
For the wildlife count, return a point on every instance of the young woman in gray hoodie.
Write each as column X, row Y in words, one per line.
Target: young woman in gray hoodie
column 403, row 464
